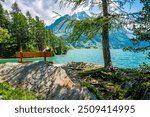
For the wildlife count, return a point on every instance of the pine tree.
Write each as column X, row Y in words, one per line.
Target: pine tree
column 51, row 41
column 105, row 36
column 19, row 27
column 24, row 33
column 4, row 30
column 40, row 34
column 141, row 28
column 4, row 21
column 32, row 32
column 99, row 24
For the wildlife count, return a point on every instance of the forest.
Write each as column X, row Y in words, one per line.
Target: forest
column 19, row 32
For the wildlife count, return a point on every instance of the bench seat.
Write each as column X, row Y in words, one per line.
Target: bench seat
column 22, row 55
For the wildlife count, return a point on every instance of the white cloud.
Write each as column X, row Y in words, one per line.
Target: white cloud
column 41, row 8
column 44, row 8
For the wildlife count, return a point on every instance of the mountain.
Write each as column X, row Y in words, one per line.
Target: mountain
column 55, row 27
column 118, row 39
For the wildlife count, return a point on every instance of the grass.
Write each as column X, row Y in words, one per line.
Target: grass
column 116, row 84
column 92, row 89
column 7, row 92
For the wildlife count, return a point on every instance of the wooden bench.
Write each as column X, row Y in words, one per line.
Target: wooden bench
column 22, row 55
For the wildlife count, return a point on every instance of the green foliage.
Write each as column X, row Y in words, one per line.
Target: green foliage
column 26, row 34
column 76, row 3
column 3, row 18
column 40, row 34
column 141, row 29
column 89, row 27
column 19, row 30
column 145, row 66
column 7, row 92
column 139, row 89
column 100, row 24
column 15, row 8
column 61, row 46
column 116, row 84
column 4, row 35
column 92, row 89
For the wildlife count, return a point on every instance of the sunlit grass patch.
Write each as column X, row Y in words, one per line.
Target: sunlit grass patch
column 7, row 92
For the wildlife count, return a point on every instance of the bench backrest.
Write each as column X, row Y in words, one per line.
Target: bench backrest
column 33, row 54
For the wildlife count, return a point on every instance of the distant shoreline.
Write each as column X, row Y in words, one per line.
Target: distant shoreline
column 92, row 48
column 85, row 49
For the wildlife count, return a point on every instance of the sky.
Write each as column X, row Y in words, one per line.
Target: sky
column 44, row 8
column 137, row 6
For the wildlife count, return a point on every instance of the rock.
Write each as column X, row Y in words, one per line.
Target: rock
column 128, row 84
column 81, row 65
column 51, row 82
column 146, row 95
column 71, row 69
column 147, row 72
column 1, row 97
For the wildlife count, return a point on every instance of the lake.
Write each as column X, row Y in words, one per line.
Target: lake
column 119, row 58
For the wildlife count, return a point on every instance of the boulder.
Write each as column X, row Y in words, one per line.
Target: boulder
column 128, row 84
column 81, row 65
column 44, row 79
column 1, row 97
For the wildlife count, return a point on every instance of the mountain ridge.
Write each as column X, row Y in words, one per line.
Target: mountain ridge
column 118, row 39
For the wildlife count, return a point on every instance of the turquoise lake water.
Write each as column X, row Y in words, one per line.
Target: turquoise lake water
column 119, row 58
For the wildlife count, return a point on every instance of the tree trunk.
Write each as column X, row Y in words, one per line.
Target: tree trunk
column 105, row 37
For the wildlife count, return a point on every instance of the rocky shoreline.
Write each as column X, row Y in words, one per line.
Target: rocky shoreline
column 49, row 81
column 77, row 81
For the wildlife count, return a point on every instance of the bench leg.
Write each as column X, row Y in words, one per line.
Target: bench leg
column 45, row 56
column 21, row 57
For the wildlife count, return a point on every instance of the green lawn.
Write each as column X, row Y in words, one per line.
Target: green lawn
column 7, row 92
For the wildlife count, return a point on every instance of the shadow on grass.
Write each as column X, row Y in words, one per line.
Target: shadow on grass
column 115, row 84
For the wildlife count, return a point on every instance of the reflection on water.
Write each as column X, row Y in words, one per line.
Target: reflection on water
column 119, row 57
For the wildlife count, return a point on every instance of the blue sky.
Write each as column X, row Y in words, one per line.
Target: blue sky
column 137, row 6
column 44, row 8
